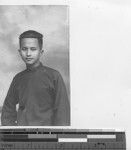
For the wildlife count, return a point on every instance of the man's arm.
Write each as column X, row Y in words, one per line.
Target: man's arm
column 9, row 114
column 62, row 106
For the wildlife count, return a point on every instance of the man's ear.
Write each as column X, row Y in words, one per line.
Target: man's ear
column 42, row 51
column 19, row 51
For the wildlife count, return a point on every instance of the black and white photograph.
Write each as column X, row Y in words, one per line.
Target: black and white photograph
column 67, row 63
column 34, row 65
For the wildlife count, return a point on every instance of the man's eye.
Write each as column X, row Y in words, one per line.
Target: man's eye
column 24, row 49
column 33, row 49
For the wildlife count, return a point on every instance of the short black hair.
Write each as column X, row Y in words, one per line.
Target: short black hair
column 32, row 34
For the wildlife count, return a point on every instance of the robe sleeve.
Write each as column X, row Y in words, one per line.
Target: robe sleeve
column 62, row 107
column 9, row 114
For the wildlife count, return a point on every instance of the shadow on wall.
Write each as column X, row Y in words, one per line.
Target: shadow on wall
column 0, row 114
column 0, row 109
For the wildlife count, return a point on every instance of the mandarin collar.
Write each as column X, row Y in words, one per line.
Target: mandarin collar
column 34, row 68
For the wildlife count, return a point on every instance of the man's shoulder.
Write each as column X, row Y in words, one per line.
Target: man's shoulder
column 50, row 70
column 19, row 74
column 52, row 73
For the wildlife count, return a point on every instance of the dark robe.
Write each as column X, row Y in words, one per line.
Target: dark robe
column 41, row 96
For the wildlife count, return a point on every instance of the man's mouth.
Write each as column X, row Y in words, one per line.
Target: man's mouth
column 28, row 59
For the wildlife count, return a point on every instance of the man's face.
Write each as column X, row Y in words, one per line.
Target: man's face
column 30, row 51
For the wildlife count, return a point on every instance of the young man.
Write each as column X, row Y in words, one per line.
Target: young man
column 39, row 91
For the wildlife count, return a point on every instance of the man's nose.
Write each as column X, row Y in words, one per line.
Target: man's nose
column 28, row 52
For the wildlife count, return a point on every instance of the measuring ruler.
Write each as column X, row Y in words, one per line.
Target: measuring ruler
column 61, row 139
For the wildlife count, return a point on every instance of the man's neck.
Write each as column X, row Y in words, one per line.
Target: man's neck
column 33, row 65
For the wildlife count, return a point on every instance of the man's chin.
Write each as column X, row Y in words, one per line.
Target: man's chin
column 29, row 63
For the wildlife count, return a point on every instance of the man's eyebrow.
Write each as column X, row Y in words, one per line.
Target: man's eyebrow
column 27, row 47
column 24, row 47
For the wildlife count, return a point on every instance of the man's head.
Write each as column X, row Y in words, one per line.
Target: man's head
column 32, row 34
column 31, row 43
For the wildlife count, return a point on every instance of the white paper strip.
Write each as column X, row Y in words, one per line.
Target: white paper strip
column 72, row 140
